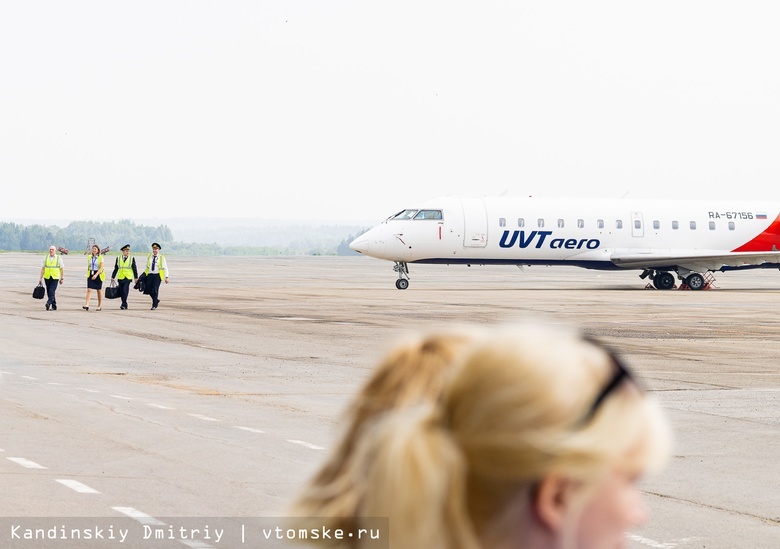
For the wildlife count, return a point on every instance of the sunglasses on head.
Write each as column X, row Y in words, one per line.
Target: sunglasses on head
column 621, row 373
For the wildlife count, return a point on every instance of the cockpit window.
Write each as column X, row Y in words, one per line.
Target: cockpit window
column 406, row 214
column 428, row 214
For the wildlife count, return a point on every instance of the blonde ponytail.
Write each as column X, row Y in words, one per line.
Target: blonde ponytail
column 416, row 476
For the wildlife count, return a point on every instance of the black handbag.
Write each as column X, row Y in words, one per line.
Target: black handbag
column 39, row 292
column 112, row 292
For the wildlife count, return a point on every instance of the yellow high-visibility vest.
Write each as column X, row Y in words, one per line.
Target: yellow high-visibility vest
column 52, row 267
column 160, row 265
column 125, row 269
column 100, row 264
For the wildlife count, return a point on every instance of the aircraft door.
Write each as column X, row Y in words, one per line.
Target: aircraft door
column 475, row 225
column 637, row 225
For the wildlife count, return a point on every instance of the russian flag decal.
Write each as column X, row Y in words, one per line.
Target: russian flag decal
column 760, row 216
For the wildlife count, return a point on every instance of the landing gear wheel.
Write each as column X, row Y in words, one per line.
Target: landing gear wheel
column 695, row 281
column 664, row 281
column 401, row 283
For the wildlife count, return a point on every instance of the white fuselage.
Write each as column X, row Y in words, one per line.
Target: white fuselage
column 601, row 234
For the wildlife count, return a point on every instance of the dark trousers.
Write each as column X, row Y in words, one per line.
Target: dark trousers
column 153, row 287
column 51, row 290
column 124, row 289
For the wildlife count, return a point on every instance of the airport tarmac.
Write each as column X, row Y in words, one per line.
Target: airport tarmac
column 226, row 398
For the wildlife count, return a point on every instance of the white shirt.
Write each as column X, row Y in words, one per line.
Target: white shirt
column 157, row 266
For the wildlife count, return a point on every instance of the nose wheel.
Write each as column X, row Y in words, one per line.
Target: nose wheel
column 403, row 275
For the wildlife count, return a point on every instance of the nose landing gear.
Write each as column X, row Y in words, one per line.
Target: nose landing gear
column 403, row 275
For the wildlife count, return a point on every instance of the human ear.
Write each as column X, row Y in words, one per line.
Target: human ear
column 551, row 501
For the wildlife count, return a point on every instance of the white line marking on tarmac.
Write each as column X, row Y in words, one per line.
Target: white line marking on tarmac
column 195, row 544
column 77, row 486
column 137, row 515
column 28, row 377
column 26, row 463
column 149, row 520
column 4, row 372
column 88, row 390
column 160, row 406
column 121, row 397
column 306, row 444
column 54, row 383
column 250, row 429
column 650, row 542
column 204, row 418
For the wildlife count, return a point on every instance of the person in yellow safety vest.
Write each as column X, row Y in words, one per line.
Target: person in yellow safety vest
column 124, row 271
column 156, row 271
column 95, row 276
column 53, row 273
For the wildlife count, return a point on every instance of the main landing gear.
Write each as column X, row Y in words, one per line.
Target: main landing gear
column 695, row 281
column 403, row 275
column 664, row 280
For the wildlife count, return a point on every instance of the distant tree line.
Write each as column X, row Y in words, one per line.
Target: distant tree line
column 74, row 237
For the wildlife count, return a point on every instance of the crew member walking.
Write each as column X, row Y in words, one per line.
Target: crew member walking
column 124, row 271
column 54, row 274
column 95, row 276
column 156, row 271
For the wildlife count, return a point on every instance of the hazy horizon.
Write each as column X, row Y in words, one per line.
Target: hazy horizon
column 353, row 111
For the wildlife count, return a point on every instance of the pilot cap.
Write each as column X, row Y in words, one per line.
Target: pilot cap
column 156, row 245
column 125, row 247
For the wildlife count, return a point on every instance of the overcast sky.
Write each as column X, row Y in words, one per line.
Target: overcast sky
column 354, row 109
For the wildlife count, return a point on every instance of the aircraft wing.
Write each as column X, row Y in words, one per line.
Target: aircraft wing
column 696, row 261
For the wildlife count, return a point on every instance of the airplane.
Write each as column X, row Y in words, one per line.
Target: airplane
column 664, row 239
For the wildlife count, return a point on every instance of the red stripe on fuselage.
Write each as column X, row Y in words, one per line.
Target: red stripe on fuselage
column 767, row 241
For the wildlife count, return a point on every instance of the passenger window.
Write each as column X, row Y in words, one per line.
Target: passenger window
column 693, row 225
column 731, row 225
column 560, row 223
column 501, row 222
column 712, row 225
column 619, row 224
column 656, row 224
column 428, row 214
column 600, row 223
column 540, row 222
column 580, row 223
column 675, row 225
column 637, row 224
column 520, row 222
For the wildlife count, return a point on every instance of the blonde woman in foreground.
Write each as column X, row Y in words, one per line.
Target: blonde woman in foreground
column 413, row 372
column 537, row 441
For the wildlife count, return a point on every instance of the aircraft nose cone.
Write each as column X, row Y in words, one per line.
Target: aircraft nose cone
column 360, row 245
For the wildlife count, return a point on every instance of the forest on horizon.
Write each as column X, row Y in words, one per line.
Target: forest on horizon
column 246, row 240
